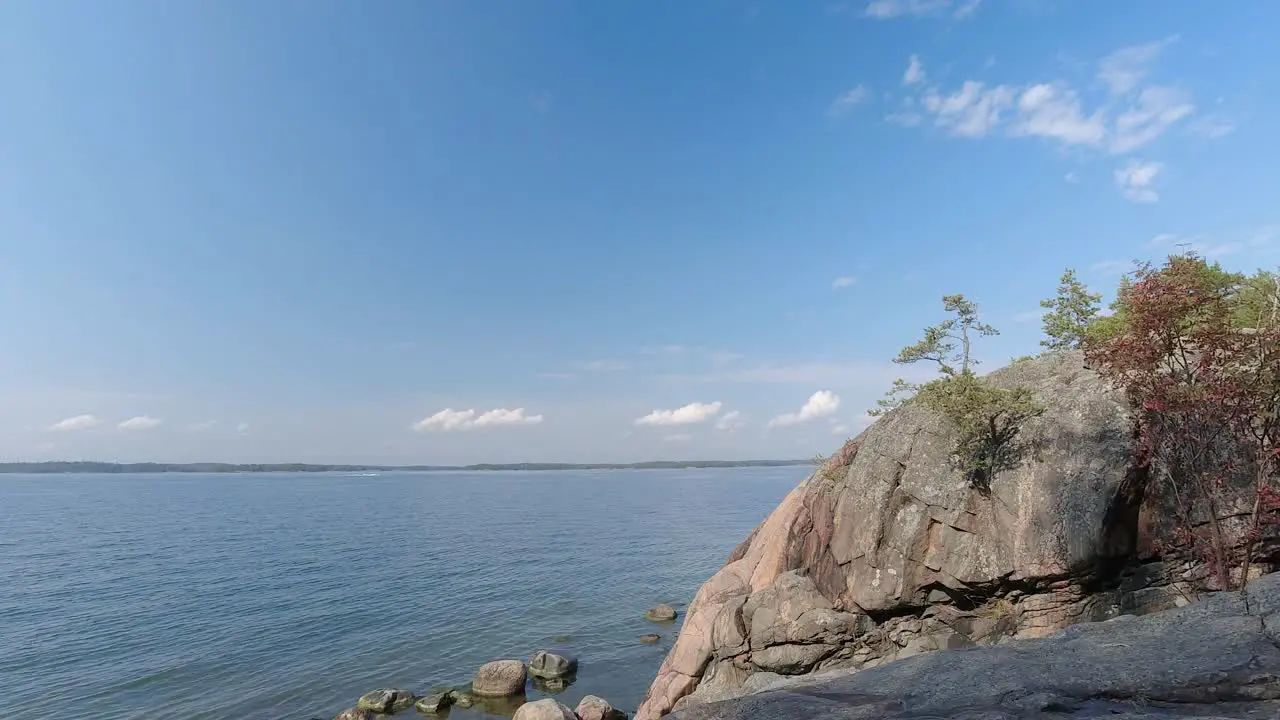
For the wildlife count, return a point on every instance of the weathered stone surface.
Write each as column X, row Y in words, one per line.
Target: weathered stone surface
column 660, row 613
column 1211, row 659
column 597, row 708
column 546, row 709
column 434, row 702
column 549, row 665
column 889, row 552
column 386, row 701
column 499, row 678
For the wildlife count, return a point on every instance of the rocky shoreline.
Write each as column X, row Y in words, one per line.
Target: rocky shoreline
column 500, row 688
column 887, row 552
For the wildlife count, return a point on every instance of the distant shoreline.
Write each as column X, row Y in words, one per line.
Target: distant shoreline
column 106, row 468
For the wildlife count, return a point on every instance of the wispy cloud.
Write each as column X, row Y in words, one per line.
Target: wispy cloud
column 849, row 99
column 678, row 438
column 141, row 422
column 242, row 429
column 1132, row 116
column 820, row 404
column 687, row 415
column 662, row 350
column 1124, row 69
column 1136, row 180
column 1111, row 267
column 1212, row 127
column 1028, row 316
column 557, row 375
column 79, row 422
column 449, row 420
column 1071, row 177
column 915, row 71
column 203, row 426
column 605, row 365
column 869, row 375
column 888, row 9
column 843, row 282
column 731, row 421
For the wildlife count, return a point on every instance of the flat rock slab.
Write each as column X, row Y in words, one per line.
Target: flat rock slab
column 1213, row 659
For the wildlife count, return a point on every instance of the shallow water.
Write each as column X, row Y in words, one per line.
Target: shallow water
column 287, row 596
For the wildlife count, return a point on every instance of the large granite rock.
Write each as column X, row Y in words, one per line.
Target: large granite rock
column 500, row 678
column 1219, row 658
column 548, row 665
column 386, row 701
column 888, row 551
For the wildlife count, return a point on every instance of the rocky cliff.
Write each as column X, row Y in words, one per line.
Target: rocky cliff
column 888, row 552
column 1216, row 659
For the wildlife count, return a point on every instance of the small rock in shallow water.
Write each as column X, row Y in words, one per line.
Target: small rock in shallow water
column 597, row 708
column 385, row 701
column 434, row 702
column 500, row 678
column 552, row 686
column 547, row 709
column 650, row 638
column 549, row 665
column 660, row 613
column 461, row 696
column 354, row 714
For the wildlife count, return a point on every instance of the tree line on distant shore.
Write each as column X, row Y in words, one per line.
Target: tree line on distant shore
column 91, row 467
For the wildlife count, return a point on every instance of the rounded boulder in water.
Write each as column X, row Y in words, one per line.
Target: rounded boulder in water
column 500, row 678
column 547, row 709
column 660, row 613
column 551, row 666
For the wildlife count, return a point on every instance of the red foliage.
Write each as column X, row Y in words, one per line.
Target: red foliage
column 1206, row 396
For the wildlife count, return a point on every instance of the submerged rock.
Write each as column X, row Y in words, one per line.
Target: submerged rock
column 650, row 638
column 462, row 696
column 549, row 665
column 499, row 678
column 552, row 686
column 434, row 702
column 386, row 701
column 597, row 708
column 1218, row 658
column 660, row 613
column 546, row 709
column 354, row 714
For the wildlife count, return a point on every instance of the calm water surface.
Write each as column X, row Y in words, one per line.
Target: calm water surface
column 287, row 596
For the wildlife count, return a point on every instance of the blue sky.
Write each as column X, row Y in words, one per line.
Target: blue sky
column 298, row 231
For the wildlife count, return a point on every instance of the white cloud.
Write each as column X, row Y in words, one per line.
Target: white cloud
column 692, row 413
column 848, row 100
column 914, row 73
column 79, row 422
column 1054, row 112
column 972, row 111
column 839, row 429
column 206, row 425
column 820, row 404
column 1137, row 180
column 1071, row 177
column 502, row 416
column 448, row 420
column 1124, row 69
column 1161, row 240
column 886, row 9
column 678, row 438
column 1154, row 111
column 731, row 421
column 843, row 282
column 1133, row 116
column 141, row 422
column 242, row 428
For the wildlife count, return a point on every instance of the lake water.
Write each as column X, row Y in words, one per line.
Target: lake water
column 287, row 596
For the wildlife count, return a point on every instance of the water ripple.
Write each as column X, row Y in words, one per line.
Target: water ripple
column 286, row 596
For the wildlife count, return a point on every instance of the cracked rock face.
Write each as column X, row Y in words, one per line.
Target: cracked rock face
column 892, row 554
column 1218, row 658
